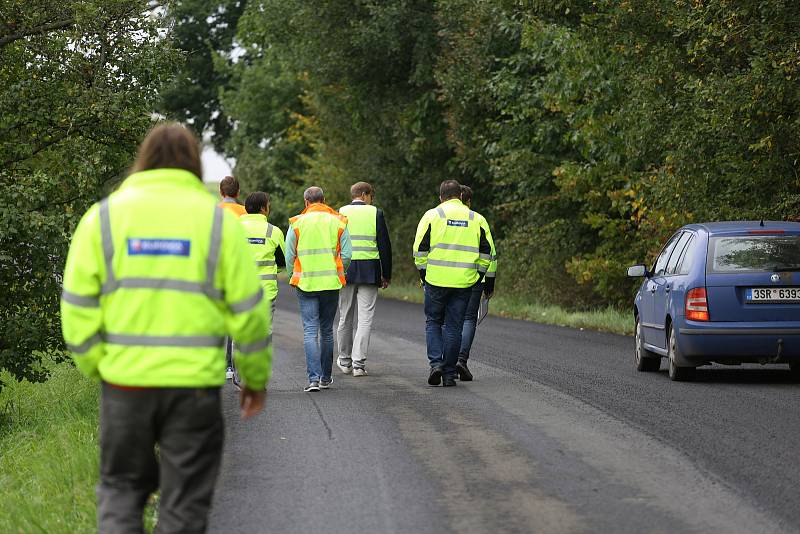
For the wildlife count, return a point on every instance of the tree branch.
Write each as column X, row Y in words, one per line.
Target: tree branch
column 38, row 30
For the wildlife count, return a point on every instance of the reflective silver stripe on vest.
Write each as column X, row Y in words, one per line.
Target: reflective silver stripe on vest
column 112, row 284
column 365, row 249
column 440, row 211
column 108, row 242
column 269, row 229
column 162, row 283
column 421, row 254
column 164, row 341
column 265, row 263
column 421, row 266
column 84, row 347
column 464, row 248
column 214, row 246
column 491, row 275
column 457, row 264
column 306, row 274
column 249, row 348
column 471, row 215
column 248, row 303
column 78, row 300
column 268, row 276
column 312, row 251
column 363, row 237
column 486, row 257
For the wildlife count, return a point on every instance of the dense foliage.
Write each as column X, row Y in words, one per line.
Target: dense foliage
column 590, row 130
column 78, row 82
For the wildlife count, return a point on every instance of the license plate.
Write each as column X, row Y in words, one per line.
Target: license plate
column 772, row 294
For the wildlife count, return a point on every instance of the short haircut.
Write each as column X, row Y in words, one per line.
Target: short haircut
column 466, row 193
column 169, row 146
column 314, row 194
column 360, row 188
column 449, row 189
column 255, row 201
column 229, row 186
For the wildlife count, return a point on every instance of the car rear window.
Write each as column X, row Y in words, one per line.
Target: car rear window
column 755, row 253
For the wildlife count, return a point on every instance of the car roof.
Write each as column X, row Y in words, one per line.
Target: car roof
column 737, row 227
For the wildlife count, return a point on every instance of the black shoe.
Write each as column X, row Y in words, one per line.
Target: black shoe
column 449, row 382
column 435, row 377
column 463, row 372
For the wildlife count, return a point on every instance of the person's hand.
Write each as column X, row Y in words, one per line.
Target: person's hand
column 488, row 294
column 251, row 402
column 384, row 283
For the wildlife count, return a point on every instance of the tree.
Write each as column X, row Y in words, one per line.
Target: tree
column 78, row 83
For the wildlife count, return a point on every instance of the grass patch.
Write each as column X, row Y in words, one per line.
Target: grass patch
column 49, row 456
column 48, row 453
column 603, row 320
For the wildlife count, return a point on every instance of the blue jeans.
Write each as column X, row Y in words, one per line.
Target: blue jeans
column 444, row 319
column 470, row 321
column 317, row 309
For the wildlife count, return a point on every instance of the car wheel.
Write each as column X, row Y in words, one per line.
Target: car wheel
column 645, row 360
column 676, row 372
column 794, row 369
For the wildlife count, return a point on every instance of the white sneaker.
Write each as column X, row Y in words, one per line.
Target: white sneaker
column 229, row 374
column 346, row 369
column 359, row 371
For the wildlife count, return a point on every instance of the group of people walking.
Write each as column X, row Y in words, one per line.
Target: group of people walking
column 158, row 280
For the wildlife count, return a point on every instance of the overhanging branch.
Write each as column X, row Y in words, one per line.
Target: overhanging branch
column 38, row 30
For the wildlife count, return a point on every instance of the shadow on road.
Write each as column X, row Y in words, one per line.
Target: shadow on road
column 736, row 375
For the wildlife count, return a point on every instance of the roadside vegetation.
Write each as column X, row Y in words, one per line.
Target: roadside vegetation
column 607, row 319
column 48, row 453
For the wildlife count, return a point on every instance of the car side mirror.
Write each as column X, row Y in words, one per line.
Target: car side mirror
column 637, row 271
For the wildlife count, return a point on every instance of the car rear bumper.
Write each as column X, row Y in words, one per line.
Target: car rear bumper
column 734, row 342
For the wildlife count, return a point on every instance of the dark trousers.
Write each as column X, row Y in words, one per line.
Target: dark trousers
column 444, row 318
column 187, row 425
column 470, row 321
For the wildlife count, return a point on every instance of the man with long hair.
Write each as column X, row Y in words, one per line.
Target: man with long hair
column 156, row 274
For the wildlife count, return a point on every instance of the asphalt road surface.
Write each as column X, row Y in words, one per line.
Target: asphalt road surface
column 558, row 433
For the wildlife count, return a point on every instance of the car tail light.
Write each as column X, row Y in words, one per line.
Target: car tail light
column 697, row 304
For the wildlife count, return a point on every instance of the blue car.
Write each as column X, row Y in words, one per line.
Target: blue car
column 722, row 292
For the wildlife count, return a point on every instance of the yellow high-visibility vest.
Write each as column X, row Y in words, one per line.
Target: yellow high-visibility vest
column 362, row 226
column 154, row 274
column 318, row 263
column 264, row 239
column 454, row 258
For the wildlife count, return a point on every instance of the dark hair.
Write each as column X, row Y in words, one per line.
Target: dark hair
column 314, row 194
column 169, row 146
column 255, row 201
column 229, row 186
column 360, row 188
column 466, row 194
column 449, row 189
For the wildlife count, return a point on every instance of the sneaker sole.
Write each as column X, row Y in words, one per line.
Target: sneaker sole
column 345, row 370
column 309, row 390
column 435, row 377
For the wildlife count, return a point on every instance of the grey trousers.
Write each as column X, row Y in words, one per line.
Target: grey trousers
column 353, row 339
column 187, row 425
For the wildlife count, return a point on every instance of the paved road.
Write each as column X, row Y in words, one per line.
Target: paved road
column 557, row 434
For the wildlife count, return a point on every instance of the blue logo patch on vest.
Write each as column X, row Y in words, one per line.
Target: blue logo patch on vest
column 158, row 247
column 452, row 222
column 256, row 240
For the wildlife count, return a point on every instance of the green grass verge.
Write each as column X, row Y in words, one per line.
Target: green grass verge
column 49, row 454
column 603, row 320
